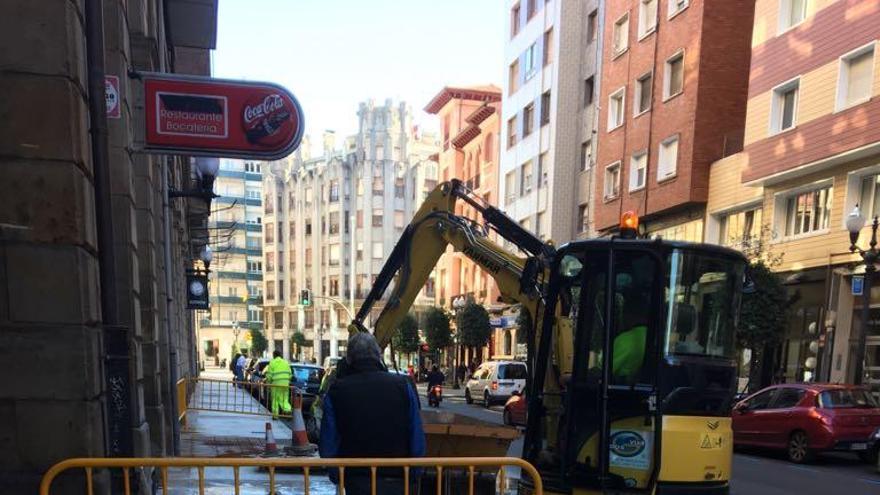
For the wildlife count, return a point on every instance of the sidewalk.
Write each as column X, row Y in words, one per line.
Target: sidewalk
column 217, row 434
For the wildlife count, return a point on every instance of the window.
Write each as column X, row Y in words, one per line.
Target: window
column 548, row 47
column 281, row 261
column 869, row 196
column 489, row 148
column 667, row 159
column 309, row 195
column 528, row 119
column 612, row 180
column 399, row 188
column 525, row 179
column 638, row 167
column 513, row 77
column 583, row 218
column 856, row 77
column 673, row 80
column 399, row 220
column 545, row 108
column 788, row 397
column 592, row 26
column 334, row 222
column 783, row 111
column 281, row 290
column 514, row 21
column 531, row 8
column 588, row 91
column 530, row 62
column 334, row 254
column 232, row 291
column 542, row 170
column 360, row 187
column 377, row 251
column 739, row 227
column 647, row 17
column 270, row 262
column 511, row 132
column 616, row 108
column 586, row 155
column 377, row 218
column 510, row 186
column 308, row 227
column 360, row 251
column 808, row 211
column 642, row 98
column 378, row 186
column 308, row 260
column 334, row 191
column 269, row 233
column 280, row 232
column 676, row 6
column 791, row 13
column 620, row 35
column 270, row 291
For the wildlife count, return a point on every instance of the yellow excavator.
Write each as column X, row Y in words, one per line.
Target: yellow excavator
column 632, row 352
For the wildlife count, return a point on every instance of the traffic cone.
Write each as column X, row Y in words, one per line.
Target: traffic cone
column 271, row 446
column 300, row 441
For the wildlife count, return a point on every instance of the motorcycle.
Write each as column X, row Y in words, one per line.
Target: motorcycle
column 435, row 396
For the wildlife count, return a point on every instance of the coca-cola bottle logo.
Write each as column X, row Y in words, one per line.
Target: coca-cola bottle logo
column 264, row 118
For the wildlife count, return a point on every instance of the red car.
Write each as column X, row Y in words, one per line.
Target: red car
column 804, row 419
column 515, row 410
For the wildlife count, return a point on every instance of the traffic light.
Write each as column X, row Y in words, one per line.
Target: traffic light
column 305, row 297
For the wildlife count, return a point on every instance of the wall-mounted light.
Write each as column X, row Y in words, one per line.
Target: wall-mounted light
column 206, row 169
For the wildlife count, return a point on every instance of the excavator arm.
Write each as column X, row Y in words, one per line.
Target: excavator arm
column 436, row 226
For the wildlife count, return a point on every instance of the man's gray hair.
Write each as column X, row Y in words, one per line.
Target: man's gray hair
column 362, row 347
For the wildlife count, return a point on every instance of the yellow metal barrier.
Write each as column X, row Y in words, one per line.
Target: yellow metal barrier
column 469, row 465
column 229, row 396
column 182, row 400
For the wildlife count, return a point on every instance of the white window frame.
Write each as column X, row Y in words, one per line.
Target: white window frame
column 843, row 75
column 675, row 7
column 616, row 185
column 637, row 94
column 854, row 191
column 621, row 93
column 776, row 107
column 645, row 30
column 531, row 62
column 633, row 184
column 667, row 75
column 785, row 13
column 617, row 51
column 779, row 209
column 661, row 175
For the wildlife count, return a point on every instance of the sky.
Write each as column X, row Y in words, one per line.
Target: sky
column 333, row 54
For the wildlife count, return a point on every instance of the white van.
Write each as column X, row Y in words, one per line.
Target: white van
column 496, row 381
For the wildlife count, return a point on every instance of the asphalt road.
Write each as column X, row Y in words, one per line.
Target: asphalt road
column 754, row 472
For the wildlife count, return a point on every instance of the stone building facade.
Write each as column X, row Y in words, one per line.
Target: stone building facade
column 331, row 221
column 58, row 337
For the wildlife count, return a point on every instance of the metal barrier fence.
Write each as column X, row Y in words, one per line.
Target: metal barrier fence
column 229, row 396
column 469, row 465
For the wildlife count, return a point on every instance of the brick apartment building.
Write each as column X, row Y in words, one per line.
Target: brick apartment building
column 812, row 152
column 672, row 98
column 470, row 123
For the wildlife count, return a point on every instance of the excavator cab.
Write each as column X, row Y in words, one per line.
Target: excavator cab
column 635, row 363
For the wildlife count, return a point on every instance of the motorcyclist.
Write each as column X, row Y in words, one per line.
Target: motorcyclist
column 435, row 377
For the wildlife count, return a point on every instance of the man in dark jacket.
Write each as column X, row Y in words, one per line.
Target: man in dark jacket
column 369, row 412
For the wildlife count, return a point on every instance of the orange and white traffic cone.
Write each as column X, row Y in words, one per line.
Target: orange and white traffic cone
column 300, row 444
column 271, row 446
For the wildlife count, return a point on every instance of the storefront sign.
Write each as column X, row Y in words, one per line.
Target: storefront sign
column 502, row 321
column 858, row 285
column 111, row 95
column 197, row 290
column 220, row 118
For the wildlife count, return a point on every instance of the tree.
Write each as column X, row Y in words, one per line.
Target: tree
column 259, row 344
column 406, row 336
column 474, row 329
column 523, row 325
column 764, row 305
column 437, row 332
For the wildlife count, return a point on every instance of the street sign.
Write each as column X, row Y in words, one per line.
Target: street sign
column 197, row 290
column 221, row 118
column 111, row 95
column 858, row 285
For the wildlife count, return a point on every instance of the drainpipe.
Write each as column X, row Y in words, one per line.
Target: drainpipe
column 169, row 307
column 118, row 400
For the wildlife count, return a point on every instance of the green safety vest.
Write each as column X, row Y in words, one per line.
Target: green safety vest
column 278, row 371
column 629, row 352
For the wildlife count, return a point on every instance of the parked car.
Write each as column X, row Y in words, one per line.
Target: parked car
column 307, row 378
column 515, row 410
column 255, row 376
column 495, row 381
column 805, row 419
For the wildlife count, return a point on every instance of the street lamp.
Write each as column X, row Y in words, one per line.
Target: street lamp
column 855, row 222
column 457, row 304
column 207, row 170
column 207, row 255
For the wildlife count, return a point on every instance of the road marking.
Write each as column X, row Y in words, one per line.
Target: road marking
column 870, row 480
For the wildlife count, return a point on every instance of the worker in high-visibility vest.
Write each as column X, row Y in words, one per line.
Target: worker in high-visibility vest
column 278, row 375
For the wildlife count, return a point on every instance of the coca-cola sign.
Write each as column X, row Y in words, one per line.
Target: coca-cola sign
column 213, row 117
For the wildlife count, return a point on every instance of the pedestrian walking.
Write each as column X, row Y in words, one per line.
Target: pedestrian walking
column 278, row 374
column 369, row 412
column 240, row 363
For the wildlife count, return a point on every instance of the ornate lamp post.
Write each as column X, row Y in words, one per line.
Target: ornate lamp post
column 457, row 304
column 854, row 224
